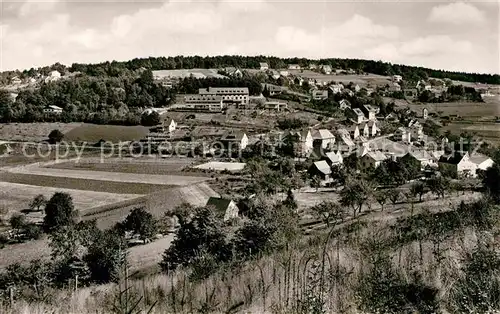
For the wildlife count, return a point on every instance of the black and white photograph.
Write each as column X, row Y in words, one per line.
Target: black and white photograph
column 249, row 156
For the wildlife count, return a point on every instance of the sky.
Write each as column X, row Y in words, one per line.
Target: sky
column 450, row 35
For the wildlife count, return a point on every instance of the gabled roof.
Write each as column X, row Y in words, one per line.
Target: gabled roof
column 334, row 158
column 220, row 204
column 453, row 159
column 420, row 154
column 322, row 134
column 376, row 155
column 358, row 112
column 323, row 167
column 478, row 158
column 263, row 64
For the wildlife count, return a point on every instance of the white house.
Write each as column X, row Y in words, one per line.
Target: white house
column 397, row 78
column 293, row 67
column 458, row 165
column 225, row 206
column 170, row 125
column 284, row 73
column 324, row 171
column 319, row 94
column 264, row 66
column 355, row 131
column 313, row 66
column 336, row 88
column 334, row 159
column 51, row 109
column 326, row 69
column 324, row 138
column 482, row 162
column 357, row 115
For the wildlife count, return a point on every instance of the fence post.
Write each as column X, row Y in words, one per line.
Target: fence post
column 11, row 295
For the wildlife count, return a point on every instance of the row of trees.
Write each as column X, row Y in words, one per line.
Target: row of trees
column 115, row 68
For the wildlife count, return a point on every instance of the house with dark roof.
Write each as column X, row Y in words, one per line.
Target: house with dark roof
column 323, row 170
column 233, row 139
column 323, row 138
column 457, row 164
column 225, row 206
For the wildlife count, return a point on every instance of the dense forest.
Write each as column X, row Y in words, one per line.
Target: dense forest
column 116, row 69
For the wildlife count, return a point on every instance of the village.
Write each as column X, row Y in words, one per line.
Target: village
column 294, row 151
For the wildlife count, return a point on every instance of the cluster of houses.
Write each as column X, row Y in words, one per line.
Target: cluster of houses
column 51, row 77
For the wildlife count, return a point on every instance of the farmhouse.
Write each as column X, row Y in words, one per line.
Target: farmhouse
column 319, row 94
column 224, row 206
column 293, row 67
column 323, row 138
column 264, row 66
column 234, row 140
column 457, row 165
column 372, row 159
column 51, row 109
column 237, row 95
column 323, row 170
column 481, row 161
column 326, row 69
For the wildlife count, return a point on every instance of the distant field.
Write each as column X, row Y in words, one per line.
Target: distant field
column 93, row 133
column 157, row 203
column 170, row 166
column 16, row 197
column 32, row 132
column 79, row 184
column 107, row 176
column 487, row 131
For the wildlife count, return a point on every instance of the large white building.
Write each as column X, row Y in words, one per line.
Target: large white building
column 238, row 95
column 195, row 102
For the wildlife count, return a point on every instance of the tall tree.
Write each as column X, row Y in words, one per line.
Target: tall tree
column 59, row 212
